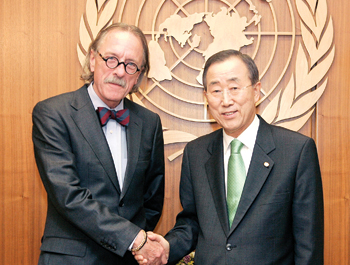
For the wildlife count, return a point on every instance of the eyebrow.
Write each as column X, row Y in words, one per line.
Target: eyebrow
column 213, row 83
column 127, row 60
column 232, row 79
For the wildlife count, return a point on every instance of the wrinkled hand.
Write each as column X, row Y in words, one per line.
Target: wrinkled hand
column 154, row 252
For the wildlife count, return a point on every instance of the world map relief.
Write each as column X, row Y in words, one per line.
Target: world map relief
column 232, row 36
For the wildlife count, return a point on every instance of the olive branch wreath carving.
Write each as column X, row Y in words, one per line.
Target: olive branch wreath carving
column 292, row 106
column 98, row 14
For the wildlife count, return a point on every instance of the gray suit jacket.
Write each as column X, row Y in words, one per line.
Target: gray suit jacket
column 89, row 219
column 279, row 219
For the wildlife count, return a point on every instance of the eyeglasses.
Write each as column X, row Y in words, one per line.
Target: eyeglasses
column 113, row 62
column 232, row 91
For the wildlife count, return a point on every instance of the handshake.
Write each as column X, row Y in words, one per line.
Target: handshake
column 150, row 249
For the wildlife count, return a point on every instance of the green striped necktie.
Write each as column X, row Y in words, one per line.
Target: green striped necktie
column 235, row 178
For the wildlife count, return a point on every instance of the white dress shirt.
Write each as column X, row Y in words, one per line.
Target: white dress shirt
column 115, row 135
column 248, row 138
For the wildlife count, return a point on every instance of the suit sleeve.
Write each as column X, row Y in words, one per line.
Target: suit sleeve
column 183, row 237
column 57, row 165
column 307, row 209
column 154, row 193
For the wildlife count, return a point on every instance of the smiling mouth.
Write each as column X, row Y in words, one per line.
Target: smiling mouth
column 229, row 113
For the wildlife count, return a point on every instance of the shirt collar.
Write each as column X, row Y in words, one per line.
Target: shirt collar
column 97, row 101
column 247, row 137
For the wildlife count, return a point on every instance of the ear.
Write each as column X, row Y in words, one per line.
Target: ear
column 205, row 95
column 92, row 61
column 257, row 89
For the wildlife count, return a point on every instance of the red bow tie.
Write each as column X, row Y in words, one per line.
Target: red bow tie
column 121, row 116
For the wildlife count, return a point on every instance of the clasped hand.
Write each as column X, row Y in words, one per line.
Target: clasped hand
column 154, row 252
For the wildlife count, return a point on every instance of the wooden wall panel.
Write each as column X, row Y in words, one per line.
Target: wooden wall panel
column 38, row 59
column 333, row 127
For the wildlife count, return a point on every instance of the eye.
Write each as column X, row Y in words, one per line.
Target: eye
column 132, row 66
column 233, row 88
column 216, row 91
column 112, row 59
column 112, row 62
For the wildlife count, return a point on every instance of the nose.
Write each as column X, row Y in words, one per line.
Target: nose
column 226, row 98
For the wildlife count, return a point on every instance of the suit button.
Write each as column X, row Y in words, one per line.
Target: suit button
column 229, row 247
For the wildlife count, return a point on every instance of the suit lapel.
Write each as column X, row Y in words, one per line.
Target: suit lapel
column 85, row 118
column 215, row 173
column 260, row 167
column 133, row 135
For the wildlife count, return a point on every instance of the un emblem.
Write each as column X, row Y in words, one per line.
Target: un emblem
column 290, row 41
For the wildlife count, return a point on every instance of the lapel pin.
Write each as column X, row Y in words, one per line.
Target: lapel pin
column 266, row 164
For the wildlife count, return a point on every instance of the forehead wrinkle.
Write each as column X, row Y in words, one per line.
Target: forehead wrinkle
column 117, row 37
column 233, row 79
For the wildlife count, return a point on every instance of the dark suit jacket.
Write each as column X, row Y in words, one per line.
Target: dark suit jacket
column 279, row 219
column 89, row 219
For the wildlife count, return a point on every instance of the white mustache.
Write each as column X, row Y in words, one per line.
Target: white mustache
column 115, row 80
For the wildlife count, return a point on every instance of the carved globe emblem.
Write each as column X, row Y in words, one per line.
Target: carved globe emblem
column 290, row 41
column 195, row 31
